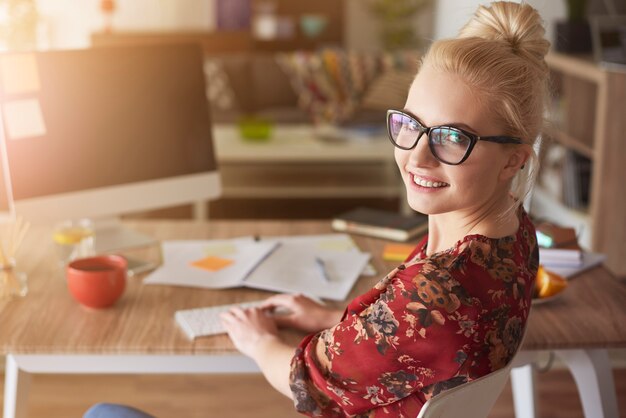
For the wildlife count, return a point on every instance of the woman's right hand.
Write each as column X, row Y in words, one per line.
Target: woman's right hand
column 300, row 312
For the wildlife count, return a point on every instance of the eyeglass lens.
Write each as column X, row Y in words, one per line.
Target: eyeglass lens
column 447, row 144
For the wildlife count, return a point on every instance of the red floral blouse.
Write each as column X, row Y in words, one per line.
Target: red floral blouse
column 431, row 324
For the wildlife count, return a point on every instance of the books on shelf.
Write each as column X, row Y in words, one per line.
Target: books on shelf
column 566, row 176
column 381, row 224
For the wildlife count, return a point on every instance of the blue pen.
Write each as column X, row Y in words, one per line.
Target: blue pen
column 322, row 267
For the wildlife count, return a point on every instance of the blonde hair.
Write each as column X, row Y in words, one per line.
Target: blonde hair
column 500, row 53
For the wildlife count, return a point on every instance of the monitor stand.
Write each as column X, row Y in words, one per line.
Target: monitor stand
column 112, row 236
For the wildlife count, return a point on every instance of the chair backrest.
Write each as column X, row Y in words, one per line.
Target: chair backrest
column 470, row 400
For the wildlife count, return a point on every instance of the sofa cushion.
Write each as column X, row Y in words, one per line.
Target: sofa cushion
column 219, row 89
column 237, row 67
column 271, row 86
column 331, row 83
column 257, row 81
column 335, row 86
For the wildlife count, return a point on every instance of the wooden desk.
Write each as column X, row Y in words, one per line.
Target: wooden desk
column 48, row 332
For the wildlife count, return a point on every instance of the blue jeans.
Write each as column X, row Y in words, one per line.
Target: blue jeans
column 109, row 410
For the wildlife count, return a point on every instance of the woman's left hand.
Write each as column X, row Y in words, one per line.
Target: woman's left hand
column 249, row 328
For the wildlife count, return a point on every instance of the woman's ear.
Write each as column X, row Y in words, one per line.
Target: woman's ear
column 515, row 162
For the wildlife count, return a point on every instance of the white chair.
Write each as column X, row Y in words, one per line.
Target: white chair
column 469, row 400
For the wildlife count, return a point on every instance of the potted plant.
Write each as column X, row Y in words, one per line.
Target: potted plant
column 574, row 34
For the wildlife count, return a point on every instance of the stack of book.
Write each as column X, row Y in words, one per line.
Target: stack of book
column 381, row 224
column 560, row 257
column 560, row 253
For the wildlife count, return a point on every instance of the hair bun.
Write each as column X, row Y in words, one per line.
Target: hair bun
column 517, row 24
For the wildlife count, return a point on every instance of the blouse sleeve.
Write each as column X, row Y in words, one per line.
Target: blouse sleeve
column 416, row 333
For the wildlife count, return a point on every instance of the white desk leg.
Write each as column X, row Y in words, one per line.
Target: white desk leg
column 594, row 378
column 16, row 384
column 523, row 387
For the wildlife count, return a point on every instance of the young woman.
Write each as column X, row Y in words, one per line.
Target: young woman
column 456, row 309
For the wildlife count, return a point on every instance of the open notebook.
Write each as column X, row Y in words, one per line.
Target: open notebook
column 326, row 266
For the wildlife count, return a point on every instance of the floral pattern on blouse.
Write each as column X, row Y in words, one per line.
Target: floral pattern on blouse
column 431, row 324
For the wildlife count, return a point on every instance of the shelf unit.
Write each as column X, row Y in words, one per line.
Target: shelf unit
column 593, row 125
column 232, row 41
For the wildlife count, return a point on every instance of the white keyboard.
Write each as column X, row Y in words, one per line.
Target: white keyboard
column 201, row 322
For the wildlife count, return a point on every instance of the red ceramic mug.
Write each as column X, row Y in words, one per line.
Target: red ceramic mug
column 97, row 282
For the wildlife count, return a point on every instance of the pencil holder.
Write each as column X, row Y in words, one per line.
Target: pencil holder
column 12, row 282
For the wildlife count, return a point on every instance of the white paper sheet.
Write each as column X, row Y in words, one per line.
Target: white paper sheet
column 178, row 256
column 291, row 268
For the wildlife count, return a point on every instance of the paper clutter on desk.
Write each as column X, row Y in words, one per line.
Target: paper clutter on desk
column 280, row 264
column 212, row 263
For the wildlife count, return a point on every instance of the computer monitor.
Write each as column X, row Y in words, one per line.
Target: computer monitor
column 105, row 131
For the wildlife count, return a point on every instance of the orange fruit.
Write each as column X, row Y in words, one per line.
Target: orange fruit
column 549, row 283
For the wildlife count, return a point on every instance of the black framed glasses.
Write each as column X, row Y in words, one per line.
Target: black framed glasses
column 448, row 144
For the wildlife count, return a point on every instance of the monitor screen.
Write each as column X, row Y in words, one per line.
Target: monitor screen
column 104, row 131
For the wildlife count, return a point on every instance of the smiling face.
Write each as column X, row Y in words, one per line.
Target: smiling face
column 437, row 98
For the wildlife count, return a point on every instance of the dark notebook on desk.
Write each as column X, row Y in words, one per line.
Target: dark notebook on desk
column 381, row 223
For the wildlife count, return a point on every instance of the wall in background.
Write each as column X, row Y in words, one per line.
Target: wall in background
column 362, row 28
column 68, row 23
column 451, row 15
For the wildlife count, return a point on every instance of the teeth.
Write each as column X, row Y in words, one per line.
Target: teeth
column 427, row 183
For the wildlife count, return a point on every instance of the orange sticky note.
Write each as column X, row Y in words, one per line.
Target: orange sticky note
column 212, row 263
column 397, row 252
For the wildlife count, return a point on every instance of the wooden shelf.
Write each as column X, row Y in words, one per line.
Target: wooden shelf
column 211, row 42
column 231, row 41
column 577, row 66
column 593, row 123
column 570, row 142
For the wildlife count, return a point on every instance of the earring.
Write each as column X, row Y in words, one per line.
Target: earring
column 522, row 167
